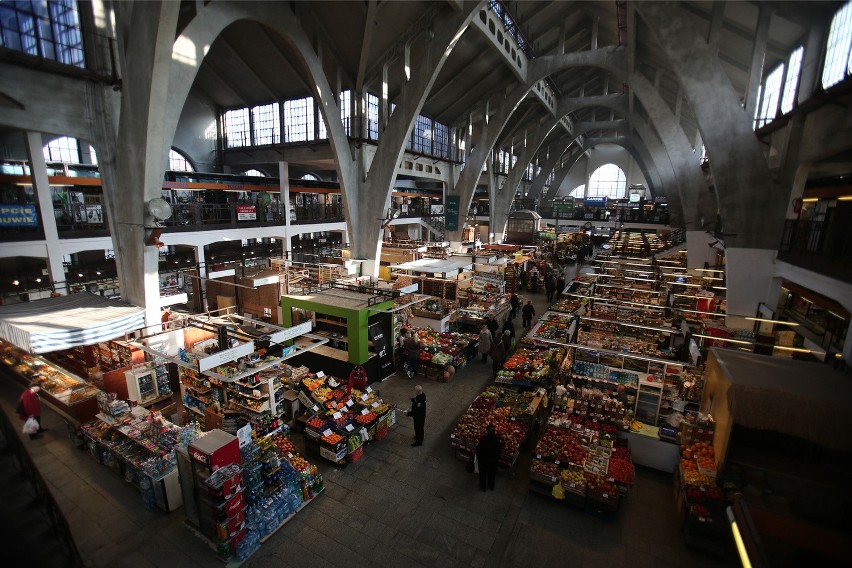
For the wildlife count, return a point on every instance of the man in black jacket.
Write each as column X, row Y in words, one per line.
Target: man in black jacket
column 488, row 455
column 418, row 413
column 527, row 312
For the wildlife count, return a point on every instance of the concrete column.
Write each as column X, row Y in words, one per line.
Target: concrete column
column 698, row 249
column 758, row 55
column 38, row 169
column 747, row 282
column 809, row 76
column 201, row 262
column 284, row 192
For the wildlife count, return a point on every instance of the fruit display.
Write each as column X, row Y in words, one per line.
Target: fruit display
column 332, row 439
column 553, row 326
column 545, row 469
column 432, row 342
column 483, row 411
column 561, row 446
column 573, row 478
column 63, row 387
column 601, row 485
column 366, row 419
column 568, row 305
column 531, row 366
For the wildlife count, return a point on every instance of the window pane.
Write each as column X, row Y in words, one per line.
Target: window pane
column 771, row 94
column 372, row 116
column 50, row 30
column 423, row 135
column 578, row 191
column 346, row 111
column 267, row 129
column 178, row 162
column 442, row 140
column 607, row 181
column 63, row 150
column 299, row 120
column 791, row 84
column 254, row 173
column 837, row 51
column 322, row 133
column 237, row 128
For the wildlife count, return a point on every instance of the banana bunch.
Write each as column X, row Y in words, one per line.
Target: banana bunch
column 635, row 426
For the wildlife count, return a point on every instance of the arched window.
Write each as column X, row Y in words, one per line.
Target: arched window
column 63, row 150
column 178, row 162
column 608, row 181
column 310, row 177
column 834, row 68
column 578, row 191
column 255, row 173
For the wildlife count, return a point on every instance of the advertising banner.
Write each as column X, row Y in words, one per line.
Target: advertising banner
column 451, row 213
column 18, row 216
column 246, row 213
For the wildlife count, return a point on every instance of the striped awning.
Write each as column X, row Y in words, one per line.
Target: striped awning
column 70, row 321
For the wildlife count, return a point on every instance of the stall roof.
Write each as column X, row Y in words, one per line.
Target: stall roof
column 70, row 321
column 801, row 398
column 434, row 266
column 338, row 297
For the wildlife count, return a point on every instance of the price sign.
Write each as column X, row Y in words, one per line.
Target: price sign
column 337, row 415
column 320, row 374
column 364, row 411
column 369, row 389
column 556, row 462
column 364, row 397
column 349, row 403
column 374, row 405
column 316, row 408
column 327, row 432
column 538, row 456
column 606, row 495
column 349, row 428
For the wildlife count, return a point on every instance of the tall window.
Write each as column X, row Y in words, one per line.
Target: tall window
column 63, row 150
column 237, row 132
column 254, row 173
column 178, row 162
column 346, row 111
column 607, row 181
column 423, row 134
column 310, row 177
column 267, row 127
column 550, row 178
column 771, row 94
column 441, row 140
column 372, row 116
column 791, row 83
column 45, row 29
column 322, row 131
column 836, row 65
column 299, row 120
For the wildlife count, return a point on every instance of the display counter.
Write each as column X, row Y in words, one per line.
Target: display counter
column 649, row 451
column 69, row 395
column 438, row 323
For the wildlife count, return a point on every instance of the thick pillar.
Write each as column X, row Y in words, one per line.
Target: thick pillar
column 746, row 272
column 284, row 193
column 38, row 169
column 699, row 249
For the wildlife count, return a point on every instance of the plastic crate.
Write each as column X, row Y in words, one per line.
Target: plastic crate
column 382, row 433
column 357, row 454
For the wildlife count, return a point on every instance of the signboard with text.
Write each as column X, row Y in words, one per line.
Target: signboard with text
column 246, row 213
column 18, row 216
column 451, row 213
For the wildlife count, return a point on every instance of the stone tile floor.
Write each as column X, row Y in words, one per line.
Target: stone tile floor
column 399, row 505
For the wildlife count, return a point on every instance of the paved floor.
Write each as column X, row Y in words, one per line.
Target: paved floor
column 398, row 505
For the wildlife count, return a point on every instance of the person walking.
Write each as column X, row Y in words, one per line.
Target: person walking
column 534, row 280
column 412, row 353
column 522, row 279
column 493, row 327
column 515, row 301
column 550, row 286
column 29, row 406
column 418, row 413
column 486, row 341
column 488, row 456
column 560, row 286
column 498, row 355
column 528, row 313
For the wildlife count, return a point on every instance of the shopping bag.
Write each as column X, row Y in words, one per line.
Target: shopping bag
column 31, row 426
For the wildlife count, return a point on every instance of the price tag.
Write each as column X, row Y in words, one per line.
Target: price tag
column 320, row 374
column 369, row 389
column 606, row 495
column 374, row 405
column 289, row 455
column 364, row 411
column 337, row 415
column 349, row 403
column 316, row 408
column 349, row 428
column 364, row 397
column 538, row 456
column 556, row 462
column 327, row 432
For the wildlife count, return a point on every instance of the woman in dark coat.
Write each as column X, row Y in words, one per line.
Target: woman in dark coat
column 488, row 455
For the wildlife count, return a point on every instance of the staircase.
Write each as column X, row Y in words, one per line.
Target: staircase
column 434, row 223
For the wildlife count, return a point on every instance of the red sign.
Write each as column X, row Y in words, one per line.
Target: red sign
column 246, row 213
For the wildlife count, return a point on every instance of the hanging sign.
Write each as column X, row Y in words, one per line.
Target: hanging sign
column 451, row 213
column 246, row 213
column 225, row 356
column 290, row 333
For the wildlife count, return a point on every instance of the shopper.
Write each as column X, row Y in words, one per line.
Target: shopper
column 29, row 406
column 549, row 286
column 534, row 280
column 509, row 326
column 493, row 327
column 418, row 413
column 488, row 456
column 560, row 286
column 527, row 313
column 515, row 301
column 498, row 355
column 412, row 353
column 508, row 339
column 620, row 395
column 523, row 279
column 486, row 340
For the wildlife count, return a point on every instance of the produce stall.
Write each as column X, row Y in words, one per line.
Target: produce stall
column 553, row 327
column 512, row 415
column 531, row 367
column 339, row 421
column 440, row 351
column 480, row 305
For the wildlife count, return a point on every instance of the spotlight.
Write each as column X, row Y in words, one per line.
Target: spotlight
column 15, row 282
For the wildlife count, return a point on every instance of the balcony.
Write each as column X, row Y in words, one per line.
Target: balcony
column 820, row 246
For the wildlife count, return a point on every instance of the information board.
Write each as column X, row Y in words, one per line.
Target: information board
column 451, row 213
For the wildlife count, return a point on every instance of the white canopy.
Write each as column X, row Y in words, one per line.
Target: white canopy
column 70, row 321
column 435, row 266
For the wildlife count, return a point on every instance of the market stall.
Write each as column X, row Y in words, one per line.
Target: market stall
column 440, row 351
column 531, row 368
